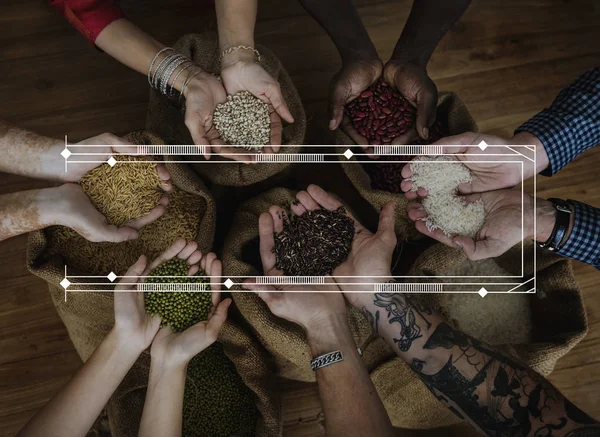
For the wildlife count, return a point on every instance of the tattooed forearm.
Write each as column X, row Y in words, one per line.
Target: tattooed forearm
column 496, row 394
column 372, row 319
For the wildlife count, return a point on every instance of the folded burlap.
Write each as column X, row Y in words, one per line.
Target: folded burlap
column 166, row 117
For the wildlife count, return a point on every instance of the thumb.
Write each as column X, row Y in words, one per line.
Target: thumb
column 135, row 271
column 216, row 322
column 426, row 106
column 337, row 101
column 114, row 234
column 385, row 228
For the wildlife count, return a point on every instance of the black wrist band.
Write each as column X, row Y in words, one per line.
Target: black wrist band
column 561, row 226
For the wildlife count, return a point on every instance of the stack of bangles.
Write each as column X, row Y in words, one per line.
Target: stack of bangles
column 169, row 64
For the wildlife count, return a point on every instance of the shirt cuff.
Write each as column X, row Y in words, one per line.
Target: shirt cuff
column 584, row 242
column 89, row 17
column 554, row 133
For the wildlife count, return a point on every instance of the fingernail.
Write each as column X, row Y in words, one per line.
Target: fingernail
column 425, row 133
column 332, row 125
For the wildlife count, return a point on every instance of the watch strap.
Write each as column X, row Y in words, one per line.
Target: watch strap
column 561, row 226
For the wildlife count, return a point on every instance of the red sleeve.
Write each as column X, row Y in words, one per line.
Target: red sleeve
column 89, row 17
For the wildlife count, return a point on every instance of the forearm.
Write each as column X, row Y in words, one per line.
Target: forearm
column 428, row 22
column 346, row 384
column 163, row 408
column 342, row 23
column 29, row 154
column 84, row 397
column 129, row 45
column 27, row 211
column 236, row 20
column 572, row 123
column 495, row 393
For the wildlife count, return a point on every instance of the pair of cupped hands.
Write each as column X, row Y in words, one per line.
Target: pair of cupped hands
column 205, row 92
column 369, row 260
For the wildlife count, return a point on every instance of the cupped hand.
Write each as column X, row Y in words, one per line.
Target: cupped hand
column 487, row 172
column 370, row 258
column 75, row 210
column 202, row 95
column 111, row 145
column 310, row 309
column 132, row 323
column 501, row 229
column 349, row 83
column 247, row 75
column 179, row 348
column 416, row 86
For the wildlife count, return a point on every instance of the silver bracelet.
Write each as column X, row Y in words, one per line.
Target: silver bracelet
column 164, row 64
column 169, row 72
column 188, row 80
column 326, row 360
column 153, row 62
column 172, row 86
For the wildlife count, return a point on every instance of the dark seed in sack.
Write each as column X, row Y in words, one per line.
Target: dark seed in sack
column 314, row 243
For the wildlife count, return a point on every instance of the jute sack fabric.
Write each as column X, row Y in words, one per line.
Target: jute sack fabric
column 455, row 119
column 284, row 340
column 89, row 316
column 166, row 117
column 557, row 321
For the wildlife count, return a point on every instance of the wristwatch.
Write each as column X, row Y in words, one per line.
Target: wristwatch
column 561, row 226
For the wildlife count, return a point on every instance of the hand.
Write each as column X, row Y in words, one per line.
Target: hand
column 246, row 75
column 309, row 310
column 202, row 95
column 132, row 323
column 487, row 176
column 371, row 254
column 113, row 146
column 74, row 209
column 178, row 349
column 415, row 85
column 347, row 85
column 502, row 227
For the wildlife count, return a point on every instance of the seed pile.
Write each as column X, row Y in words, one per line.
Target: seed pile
column 123, row 192
column 387, row 177
column 180, row 310
column 447, row 210
column 180, row 220
column 216, row 403
column 243, row 120
column 314, row 243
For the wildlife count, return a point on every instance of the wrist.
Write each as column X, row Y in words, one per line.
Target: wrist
column 164, row 363
column 50, row 205
column 545, row 214
column 331, row 333
column 541, row 157
column 238, row 56
column 124, row 346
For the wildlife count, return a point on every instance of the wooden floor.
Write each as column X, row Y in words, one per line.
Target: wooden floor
column 506, row 59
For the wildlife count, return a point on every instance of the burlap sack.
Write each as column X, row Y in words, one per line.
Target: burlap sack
column 284, row 340
column 557, row 323
column 166, row 117
column 455, row 119
column 89, row 316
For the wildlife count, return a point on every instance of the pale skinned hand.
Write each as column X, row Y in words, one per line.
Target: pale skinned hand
column 501, row 230
column 309, row 310
column 370, row 258
column 132, row 322
column 178, row 349
column 487, row 176
column 202, row 95
column 74, row 209
column 416, row 86
column 114, row 146
column 349, row 83
column 247, row 75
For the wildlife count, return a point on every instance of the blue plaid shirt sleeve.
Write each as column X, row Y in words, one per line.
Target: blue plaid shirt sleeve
column 584, row 242
column 572, row 124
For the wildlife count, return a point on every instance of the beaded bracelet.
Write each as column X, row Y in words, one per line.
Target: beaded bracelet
column 232, row 49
